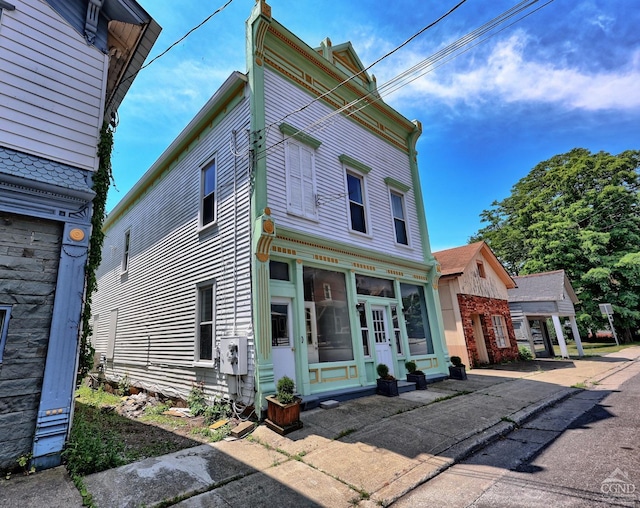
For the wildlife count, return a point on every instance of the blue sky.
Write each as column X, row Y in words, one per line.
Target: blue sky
column 566, row 76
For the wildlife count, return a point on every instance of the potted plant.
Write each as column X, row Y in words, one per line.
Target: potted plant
column 387, row 384
column 415, row 376
column 283, row 408
column 457, row 370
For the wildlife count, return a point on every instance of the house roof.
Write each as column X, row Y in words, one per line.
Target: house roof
column 538, row 287
column 454, row 262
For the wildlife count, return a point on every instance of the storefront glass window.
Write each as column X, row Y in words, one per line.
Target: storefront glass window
column 326, row 292
column 415, row 316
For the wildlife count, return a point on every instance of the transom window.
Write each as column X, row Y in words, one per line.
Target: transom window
column 500, row 330
column 399, row 218
column 374, row 286
column 208, row 211
column 5, row 314
column 206, row 316
column 357, row 213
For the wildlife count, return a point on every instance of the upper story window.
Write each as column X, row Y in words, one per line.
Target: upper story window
column 208, row 185
column 481, row 271
column 301, row 180
column 399, row 218
column 5, row 313
column 357, row 212
column 300, row 168
column 206, row 323
column 125, row 251
column 355, row 172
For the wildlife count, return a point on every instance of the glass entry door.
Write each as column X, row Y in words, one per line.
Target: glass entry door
column 282, row 347
column 382, row 337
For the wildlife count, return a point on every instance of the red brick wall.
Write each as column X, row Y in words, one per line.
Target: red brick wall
column 485, row 308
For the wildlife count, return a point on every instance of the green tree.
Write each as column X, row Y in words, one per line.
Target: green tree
column 578, row 211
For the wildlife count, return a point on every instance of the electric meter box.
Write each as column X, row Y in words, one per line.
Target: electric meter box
column 233, row 355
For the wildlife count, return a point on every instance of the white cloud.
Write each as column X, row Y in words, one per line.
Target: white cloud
column 178, row 89
column 509, row 75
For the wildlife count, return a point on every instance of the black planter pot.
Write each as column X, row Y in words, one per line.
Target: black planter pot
column 387, row 387
column 458, row 372
column 419, row 379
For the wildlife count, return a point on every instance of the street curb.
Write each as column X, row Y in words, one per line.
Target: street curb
column 472, row 444
column 480, row 440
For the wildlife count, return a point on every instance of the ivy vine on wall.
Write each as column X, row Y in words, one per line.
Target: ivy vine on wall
column 101, row 181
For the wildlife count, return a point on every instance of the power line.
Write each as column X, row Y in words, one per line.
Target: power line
column 203, row 22
column 350, row 78
column 396, row 83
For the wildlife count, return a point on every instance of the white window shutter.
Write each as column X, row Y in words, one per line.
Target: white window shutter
column 295, row 179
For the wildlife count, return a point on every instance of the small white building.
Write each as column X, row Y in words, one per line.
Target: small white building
column 536, row 298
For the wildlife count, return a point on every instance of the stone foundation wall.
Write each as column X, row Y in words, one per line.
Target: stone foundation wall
column 29, row 257
column 485, row 308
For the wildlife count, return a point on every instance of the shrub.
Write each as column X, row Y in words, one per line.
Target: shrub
column 412, row 367
column 524, row 353
column 383, row 372
column 93, row 446
column 284, row 390
column 457, row 361
column 218, row 410
column 196, row 401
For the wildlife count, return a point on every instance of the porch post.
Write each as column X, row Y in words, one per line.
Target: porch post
column 576, row 334
column 561, row 342
column 527, row 331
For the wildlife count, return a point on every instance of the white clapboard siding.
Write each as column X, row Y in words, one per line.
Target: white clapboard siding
column 156, row 298
column 51, row 86
column 338, row 136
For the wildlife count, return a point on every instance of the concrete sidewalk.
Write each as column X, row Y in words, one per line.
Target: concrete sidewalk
column 366, row 452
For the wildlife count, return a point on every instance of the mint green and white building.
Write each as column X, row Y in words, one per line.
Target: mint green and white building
column 282, row 233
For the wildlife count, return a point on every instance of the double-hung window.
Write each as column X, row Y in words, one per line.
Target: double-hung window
column 208, row 202
column 357, row 212
column 5, row 313
column 399, row 218
column 500, row 330
column 125, row 251
column 206, row 323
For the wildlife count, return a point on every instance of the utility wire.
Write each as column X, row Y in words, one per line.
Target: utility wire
column 352, row 77
column 203, row 22
column 396, row 83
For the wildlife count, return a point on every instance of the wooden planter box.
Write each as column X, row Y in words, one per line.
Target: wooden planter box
column 457, row 372
column 387, row 387
column 283, row 418
column 419, row 379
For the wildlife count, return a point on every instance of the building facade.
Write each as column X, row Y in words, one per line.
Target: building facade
column 474, row 298
column 301, row 251
column 57, row 85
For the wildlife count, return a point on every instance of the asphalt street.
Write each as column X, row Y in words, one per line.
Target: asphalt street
column 584, row 452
